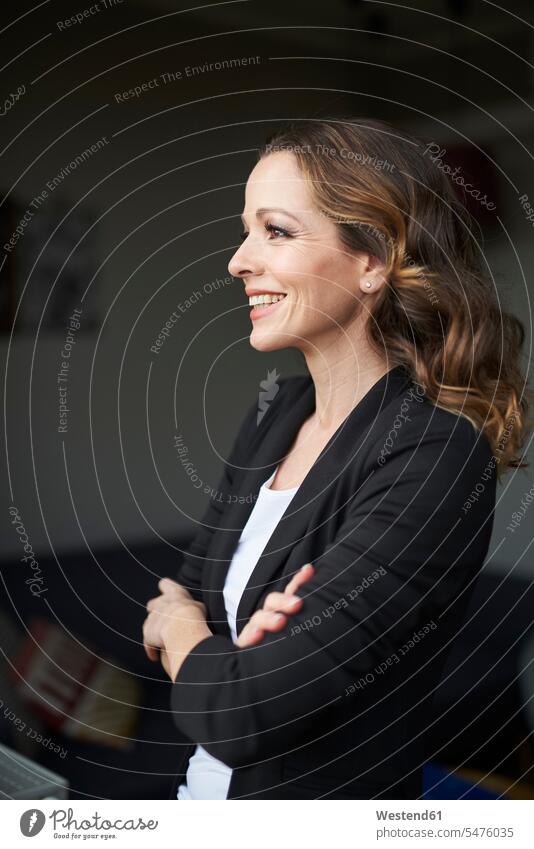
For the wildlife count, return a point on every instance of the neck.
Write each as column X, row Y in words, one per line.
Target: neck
column 342, row 374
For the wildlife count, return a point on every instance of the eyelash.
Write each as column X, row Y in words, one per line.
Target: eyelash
column 270, row 227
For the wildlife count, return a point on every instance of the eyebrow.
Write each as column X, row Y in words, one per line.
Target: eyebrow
column 265, row 209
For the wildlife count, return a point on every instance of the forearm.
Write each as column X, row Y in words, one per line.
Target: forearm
column 179, row 639
column 243, row 705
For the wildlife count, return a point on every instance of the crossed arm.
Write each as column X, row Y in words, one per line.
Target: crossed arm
column 406, row 524
column 177, row 623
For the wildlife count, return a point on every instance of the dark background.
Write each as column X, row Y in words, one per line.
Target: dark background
column 152, row 217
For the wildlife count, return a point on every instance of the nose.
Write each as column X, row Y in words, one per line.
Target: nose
column 246, row 260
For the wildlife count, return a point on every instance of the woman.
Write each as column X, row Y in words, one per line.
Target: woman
column 313, row 612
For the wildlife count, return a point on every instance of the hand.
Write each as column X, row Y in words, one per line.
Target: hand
column 273, row 615
column 175, row 602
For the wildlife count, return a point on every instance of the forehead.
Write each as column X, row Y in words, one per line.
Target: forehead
column 277, row 181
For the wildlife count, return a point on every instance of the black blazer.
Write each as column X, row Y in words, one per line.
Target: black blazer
column 396, row 516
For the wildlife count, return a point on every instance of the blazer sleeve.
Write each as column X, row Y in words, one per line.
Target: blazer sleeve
column 407, row 524
column 190, row 567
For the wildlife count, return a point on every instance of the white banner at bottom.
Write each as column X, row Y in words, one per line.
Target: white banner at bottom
column 265, row 824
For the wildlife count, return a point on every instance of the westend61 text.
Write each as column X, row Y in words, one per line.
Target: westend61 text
column 427, row 814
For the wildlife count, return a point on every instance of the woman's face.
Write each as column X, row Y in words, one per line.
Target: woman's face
column 292, row 249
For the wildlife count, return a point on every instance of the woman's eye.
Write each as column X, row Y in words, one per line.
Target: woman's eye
column 276, row 230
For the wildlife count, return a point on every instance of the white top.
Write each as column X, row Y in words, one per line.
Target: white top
column 207, row 777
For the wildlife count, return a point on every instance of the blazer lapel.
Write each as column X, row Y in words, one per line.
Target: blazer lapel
column 334, row 458
column 274, row 446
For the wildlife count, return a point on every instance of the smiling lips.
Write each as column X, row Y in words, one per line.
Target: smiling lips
column 261, row 306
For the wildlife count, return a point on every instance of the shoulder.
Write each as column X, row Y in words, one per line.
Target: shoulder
column 415, row 437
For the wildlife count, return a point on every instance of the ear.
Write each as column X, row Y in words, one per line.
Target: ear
column 372, row 274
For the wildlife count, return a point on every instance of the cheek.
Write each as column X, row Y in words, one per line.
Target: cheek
column 315, row 281
column 305, row 278
column 294, row 269
column 336, row 286
column 333, row 305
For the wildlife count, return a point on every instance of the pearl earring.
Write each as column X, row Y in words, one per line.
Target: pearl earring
column 368, row 284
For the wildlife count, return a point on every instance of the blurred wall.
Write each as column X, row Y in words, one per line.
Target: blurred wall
column 166, row 189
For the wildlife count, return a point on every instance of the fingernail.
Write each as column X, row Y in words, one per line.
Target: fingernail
column 278, row 617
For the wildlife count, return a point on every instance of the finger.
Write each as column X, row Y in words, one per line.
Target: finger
column 282, row 601
column 304, row 574
column 260, row 622
column 170, row 587
column 151, row 632
column 165, row 662
column 159, row 603
column 249, row 637
column 151, row 652
column 267, row 619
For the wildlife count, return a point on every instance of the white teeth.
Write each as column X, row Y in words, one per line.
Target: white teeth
column 256, row 300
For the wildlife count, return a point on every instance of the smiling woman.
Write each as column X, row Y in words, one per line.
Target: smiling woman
column 359, row 471
column 385, row 215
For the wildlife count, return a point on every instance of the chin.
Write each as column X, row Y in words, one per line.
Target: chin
column 268, row 341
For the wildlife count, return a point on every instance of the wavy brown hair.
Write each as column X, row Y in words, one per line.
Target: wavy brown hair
column 439, row 314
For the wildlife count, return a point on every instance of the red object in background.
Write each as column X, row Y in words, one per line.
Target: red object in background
column 53, row 670
column 73, row 689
